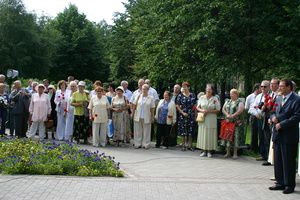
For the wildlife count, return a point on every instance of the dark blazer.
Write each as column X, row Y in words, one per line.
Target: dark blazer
column 288, row 116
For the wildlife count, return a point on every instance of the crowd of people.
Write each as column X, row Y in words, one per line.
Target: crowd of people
column 75, row 114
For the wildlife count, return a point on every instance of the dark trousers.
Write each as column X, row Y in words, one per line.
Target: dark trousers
column 285, row 164
column 3, row 115
column 267, row 137
column 254, row 133
column 21, row 124
column 262, row 148
column 163, row 132
column 81, row 127
column 11, row 122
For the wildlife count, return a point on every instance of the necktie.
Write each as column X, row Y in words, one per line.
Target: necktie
column 283, row 100
column 273, row 95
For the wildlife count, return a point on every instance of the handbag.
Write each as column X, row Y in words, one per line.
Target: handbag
column 227, row 130
column 200, row 117
column 49, row 123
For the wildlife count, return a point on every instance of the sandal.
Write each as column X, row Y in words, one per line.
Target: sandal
column 191, row 149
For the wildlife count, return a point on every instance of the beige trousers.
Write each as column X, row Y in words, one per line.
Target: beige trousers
column 142, row 134
column 99, row 134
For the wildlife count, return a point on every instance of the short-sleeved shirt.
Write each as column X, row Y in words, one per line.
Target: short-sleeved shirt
column 77, row 97
column 99, row 108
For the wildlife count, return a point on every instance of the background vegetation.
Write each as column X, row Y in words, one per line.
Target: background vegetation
column 231, row 43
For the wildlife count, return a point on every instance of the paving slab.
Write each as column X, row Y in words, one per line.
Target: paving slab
column 155, row 174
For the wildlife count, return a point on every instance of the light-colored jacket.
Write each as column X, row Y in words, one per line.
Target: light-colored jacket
column 39, row 107
column 149, row 103
column 171, row 118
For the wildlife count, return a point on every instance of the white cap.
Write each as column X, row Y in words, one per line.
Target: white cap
column 81, row 83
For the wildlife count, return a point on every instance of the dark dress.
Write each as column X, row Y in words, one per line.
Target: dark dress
column 186, row 124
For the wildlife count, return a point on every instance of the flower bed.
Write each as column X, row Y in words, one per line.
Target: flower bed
column 24, row 156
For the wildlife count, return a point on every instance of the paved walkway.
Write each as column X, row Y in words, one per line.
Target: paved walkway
column 155, row 174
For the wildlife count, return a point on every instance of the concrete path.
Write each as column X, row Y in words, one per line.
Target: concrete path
column 155, row 174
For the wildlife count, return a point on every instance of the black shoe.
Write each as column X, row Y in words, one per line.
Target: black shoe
column 276, row 187
column 288, row 190
column 266, row 164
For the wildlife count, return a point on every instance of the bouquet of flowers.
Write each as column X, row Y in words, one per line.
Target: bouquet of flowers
column 3, row 102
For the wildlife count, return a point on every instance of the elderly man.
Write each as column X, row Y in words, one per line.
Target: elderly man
column 259, row 111
column 175, row 93
column 2, row 80
column 20, row 110
column 285, row 121
column 127, row 92
column 152, row 91
column 252, row 118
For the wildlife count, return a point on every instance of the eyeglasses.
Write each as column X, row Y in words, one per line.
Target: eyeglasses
column 263, row 86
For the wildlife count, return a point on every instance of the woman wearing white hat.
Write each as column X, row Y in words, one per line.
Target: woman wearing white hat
column 80, row 100
column 39, row 110
column 120, row 117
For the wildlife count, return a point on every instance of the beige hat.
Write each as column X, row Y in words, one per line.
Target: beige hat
column 81, row 83
column 120, row 88
column 51, row 86
column 39, row 85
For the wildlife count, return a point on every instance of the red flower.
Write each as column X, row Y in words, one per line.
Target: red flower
column 215, row 101
column 273, row 109
column 96, row 115
column 258, row 106
column 239, row 122
column 92, row 118
column 267, row 104
column 271, row 103
column 62, row 94
column 127, row 100
column 276, row 104
column 266, row 95
column 170, row 116
column 194, row 107
column 58, row 96
column 65, row 110
column 63, row 97
column 255, row 106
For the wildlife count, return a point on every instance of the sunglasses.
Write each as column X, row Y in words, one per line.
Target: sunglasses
column 263, row 86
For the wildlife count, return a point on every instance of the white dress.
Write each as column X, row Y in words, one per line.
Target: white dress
column 69, row 117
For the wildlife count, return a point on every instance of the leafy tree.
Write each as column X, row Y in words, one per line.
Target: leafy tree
column 79, row 52
column 21, row 46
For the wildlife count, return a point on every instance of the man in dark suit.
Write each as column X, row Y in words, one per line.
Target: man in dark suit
column 286, row 119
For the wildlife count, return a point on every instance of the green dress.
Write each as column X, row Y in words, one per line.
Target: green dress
column 239, row 134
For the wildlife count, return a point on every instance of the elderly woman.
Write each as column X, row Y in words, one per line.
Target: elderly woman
column 186, row 105
column 207, row 130
column 80, row 100
column 4, row 103
column 120, row 117
column 69, row 111
column 60, row 101
column 53, row 115
column 232, row 110
column 20, row 98
column 143, row 113
column 40, row 109
column 166, row 118
column 99, row 114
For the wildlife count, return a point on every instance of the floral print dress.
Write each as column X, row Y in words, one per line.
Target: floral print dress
column 239, row 136
column 186, row 124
